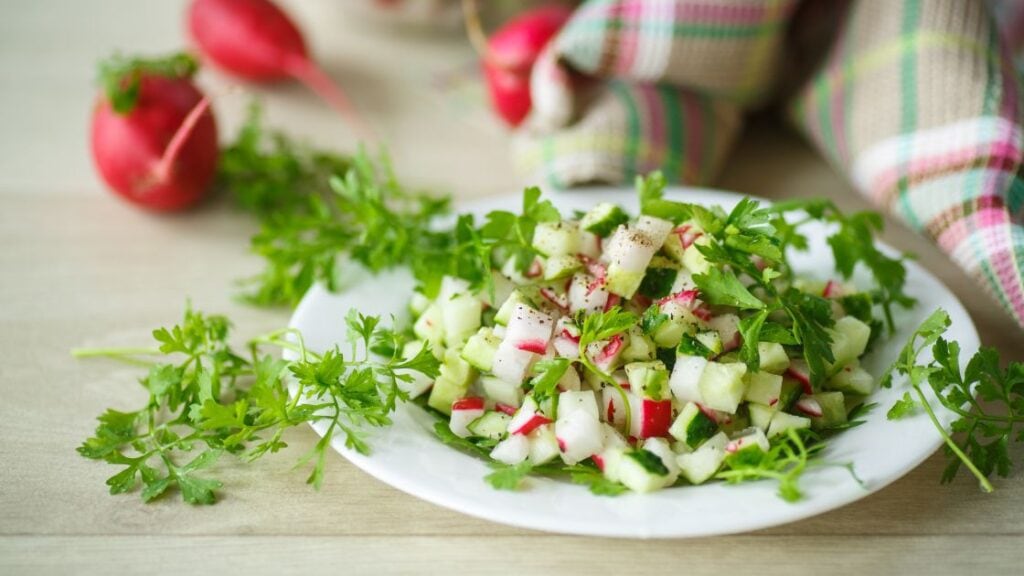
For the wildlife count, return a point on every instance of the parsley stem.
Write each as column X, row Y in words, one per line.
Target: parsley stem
column 985, row 484
column 119, row 354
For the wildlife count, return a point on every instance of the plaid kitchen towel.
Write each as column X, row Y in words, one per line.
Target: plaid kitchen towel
column 916, row 101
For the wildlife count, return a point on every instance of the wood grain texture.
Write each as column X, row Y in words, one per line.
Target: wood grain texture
column 78, row 268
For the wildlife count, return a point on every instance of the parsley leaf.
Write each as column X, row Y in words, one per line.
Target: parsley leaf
column 981, row 433
column 722, row 287
column 509, row 477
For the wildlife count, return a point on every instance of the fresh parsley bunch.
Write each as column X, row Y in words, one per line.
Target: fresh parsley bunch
column 207, row 399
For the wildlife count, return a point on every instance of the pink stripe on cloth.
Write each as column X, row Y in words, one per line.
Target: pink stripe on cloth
column 1001, row 152
column 627, row 38
column 655, row 129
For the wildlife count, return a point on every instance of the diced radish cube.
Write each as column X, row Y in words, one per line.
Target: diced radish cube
column 655, row 228
column 543, row 446
column 528, row 327
column 685, row 380
column 464, row 411
column 586, row 294
column 613, row 410
column 569, row 402
column 528, row 418
column 809, row 406
column 799, row 370
column 512, row 450
column 649, row 418
column 569, row 381
column 728, row 327
column 512, row 364
column 578, row 435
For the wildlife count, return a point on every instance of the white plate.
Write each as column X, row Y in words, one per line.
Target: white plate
column 408, row 456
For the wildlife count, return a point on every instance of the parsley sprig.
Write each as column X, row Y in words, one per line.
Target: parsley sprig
column 207, row 399
column 987, row 399
column 320, row 211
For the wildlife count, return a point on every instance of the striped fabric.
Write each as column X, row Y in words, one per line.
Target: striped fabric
column 916, row 101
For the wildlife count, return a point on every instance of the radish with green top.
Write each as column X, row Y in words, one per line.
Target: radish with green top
column 153, row 136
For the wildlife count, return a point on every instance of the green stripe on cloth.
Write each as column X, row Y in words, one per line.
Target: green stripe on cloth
column 681, row 29
column 908, row 103
column 675, row 156
column 632, row 127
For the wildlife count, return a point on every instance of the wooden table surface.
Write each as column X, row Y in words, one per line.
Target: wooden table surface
column 79, row 268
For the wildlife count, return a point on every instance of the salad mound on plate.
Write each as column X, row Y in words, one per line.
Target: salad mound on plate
column 642, row 352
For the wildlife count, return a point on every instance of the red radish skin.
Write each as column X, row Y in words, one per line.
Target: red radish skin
column 536, row 421
column 810, row 407
column 471, row 403
column 656, row 418
column 535, row 346
column 162, row 154
column 257, row 41
column 511, row 54
column 798, row 371
column 505, row 408
column 598, row 461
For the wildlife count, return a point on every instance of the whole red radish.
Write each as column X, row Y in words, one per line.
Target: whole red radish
column 511, row 53
column 154, row 138
column 256, row 41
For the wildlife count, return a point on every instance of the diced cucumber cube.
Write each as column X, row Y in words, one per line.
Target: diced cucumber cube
column 852, row 379
column 418, row 303
column 680, row 320
column 782, row 422
column 480, row 348
column 763, row 388
column 642, row 471
column 711, row 340
column 557, row 238
column 639, row 346
column 722, row 387
column 603, row 219
column 452, row 383
column 701, row 464
column 496, row 389
column 773, row 357
column 833, row 410
column 505, row 311
column 658, row 281
column 461, row 314
column 649, row 379
column 430, row 327
column 747, row 449
column 563, row 266
column 761, row 415
column 849, row 339
column 692, row 427
column 662, row 449
column 623, row 282
column 693, row 260
column 790, row 393
column 491, row 425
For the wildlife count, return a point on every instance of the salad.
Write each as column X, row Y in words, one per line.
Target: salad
column 652, row 350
